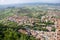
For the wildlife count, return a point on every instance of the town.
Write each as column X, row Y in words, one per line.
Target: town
column 41, row 35
column 30, row 22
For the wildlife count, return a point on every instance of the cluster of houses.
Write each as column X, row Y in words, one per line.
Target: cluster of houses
column 58, row 29
column 22, row 20
column 56, row 24
column 41, row 35
column 48, row 18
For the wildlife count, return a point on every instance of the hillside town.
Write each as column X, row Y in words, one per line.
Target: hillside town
column 41, row 35
column 29, row 19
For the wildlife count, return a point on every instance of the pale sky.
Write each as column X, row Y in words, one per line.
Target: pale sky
column 3, row 2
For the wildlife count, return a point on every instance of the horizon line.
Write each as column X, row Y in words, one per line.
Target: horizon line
column 29, row 3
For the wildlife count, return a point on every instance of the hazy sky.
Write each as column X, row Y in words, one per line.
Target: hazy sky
column 2, row 2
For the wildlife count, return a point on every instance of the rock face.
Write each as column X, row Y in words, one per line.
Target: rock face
column 58, row 34
column 58, row 29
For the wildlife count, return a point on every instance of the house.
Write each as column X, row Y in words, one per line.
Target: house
column 58, row 34
column 23, row 31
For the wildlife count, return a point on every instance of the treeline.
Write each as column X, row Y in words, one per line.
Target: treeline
column 12, row 34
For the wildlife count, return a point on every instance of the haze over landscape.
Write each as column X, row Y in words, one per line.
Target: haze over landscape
column 29, row 19
column 5, row 2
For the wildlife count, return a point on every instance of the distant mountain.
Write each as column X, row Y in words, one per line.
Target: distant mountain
column 29, row 4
